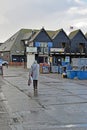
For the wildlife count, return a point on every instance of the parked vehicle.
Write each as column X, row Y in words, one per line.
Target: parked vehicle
column 3, row 62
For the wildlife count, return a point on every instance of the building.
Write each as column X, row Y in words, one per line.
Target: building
column 43, row 42
column 12, row 50
column 42, row 45
column 61, row 47
column 38, row 44
column 78, row 47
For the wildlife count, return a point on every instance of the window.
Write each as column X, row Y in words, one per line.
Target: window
column 43, row 50
column 63, row 45
column 40, row 50
column 46, row 50
column 43, row 44
column 81, row 47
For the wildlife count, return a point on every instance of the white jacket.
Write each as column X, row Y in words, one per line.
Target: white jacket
column 35, row 71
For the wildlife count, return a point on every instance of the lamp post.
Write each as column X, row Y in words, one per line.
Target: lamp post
column 25, row 54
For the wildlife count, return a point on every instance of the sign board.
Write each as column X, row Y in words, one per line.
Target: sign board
column 67, row 59
column 79, row 62
column 45, row 69
column 31, row 49
column 57, row 50
column 43, row 44
column 54, row 69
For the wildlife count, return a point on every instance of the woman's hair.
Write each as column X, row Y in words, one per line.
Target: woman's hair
column 35, row 62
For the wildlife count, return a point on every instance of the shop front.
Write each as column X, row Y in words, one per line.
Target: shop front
column 59, row 59
column 43, row 50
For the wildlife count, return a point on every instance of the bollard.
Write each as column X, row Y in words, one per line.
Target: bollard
column 1, row 70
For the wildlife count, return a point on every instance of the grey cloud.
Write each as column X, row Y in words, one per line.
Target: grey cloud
column 52, row 14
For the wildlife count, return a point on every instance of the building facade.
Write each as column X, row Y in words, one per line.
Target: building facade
column 78, row 47
column 52, row 46
column 61, row 45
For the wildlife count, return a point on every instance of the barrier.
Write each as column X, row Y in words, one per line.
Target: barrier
column 82, row 75
column 54, row 69
column 71, row 74
column 44, row 68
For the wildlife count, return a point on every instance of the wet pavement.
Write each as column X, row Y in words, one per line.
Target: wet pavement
column 59, row 104
column 4, row 116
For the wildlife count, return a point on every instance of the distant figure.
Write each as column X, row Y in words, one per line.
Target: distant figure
column 1, row 69
column 35, row 74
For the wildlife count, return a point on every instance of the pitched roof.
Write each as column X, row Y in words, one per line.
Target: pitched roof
column 56, row 33
column 73, row 34
column 36, row 33
column 50, row 33
column 24, row 34
column 16, row 38
column 27, row 36
column 86, row 35
column 6, row 46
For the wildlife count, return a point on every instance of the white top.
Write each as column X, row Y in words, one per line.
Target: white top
column 35, row 71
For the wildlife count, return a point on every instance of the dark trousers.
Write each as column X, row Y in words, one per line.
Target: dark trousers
column 35, row 83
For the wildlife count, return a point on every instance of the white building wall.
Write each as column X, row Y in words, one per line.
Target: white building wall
column 30, row 60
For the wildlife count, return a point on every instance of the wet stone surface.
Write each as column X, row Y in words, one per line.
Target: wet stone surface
column 59, row 104
column 4, row 116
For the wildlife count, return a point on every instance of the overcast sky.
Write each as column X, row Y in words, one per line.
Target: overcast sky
column 35, row 14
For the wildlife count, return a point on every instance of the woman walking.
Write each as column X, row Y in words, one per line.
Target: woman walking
column 35, row 74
